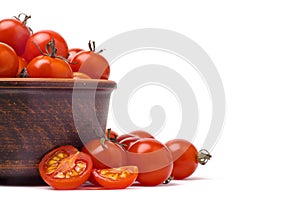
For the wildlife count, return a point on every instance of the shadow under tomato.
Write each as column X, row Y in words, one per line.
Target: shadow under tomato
column 196, row 179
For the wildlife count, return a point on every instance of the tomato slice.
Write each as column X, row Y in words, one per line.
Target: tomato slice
column 116, row 178
column 65, row 168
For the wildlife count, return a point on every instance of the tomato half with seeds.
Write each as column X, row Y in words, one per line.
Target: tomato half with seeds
column 65, row 168
column 115, row 178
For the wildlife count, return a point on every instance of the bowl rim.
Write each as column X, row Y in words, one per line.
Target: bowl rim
column 58, row 83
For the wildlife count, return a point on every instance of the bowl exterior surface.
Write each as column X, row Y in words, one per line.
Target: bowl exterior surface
column 37, row 116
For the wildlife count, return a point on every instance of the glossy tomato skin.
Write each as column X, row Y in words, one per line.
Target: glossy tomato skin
column 111, row 155
column 126, row 143
column 115, row 178
column 123, row 136
column 14, row 33
column 41, row 39
column 153, row 160
column 184, row 155
column 65, row 168
column 9, row 62
column 48, row 67
column 22, row 65
column 141, row 134
column 92, row 64
column 73, row 52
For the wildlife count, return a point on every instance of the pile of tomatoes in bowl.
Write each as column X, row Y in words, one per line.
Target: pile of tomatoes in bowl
column 45, row 54
column 118, row 161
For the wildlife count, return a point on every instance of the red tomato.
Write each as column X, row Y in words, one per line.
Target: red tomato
column 73, row 52
column 141, row 134
column 128, row 141
column 122, row 137
column 22, row 65
column 115, row 178
column 91, row 63
column 65, row 168
column 9, row 62
column 106, row 155
column 15, row 33
column 38, row 41
column 184, row 157
column 48, row 67
column 153, row 160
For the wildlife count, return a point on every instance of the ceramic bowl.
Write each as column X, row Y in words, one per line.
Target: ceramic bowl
column 37, row 115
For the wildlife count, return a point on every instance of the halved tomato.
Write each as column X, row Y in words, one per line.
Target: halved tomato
column 115, row 178
column 65, row 168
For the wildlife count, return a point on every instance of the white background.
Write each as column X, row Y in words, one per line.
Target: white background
column 255, row 46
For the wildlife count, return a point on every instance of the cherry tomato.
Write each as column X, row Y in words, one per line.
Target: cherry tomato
column 65, row 168
column 9, row 62
column 153, row 160
column 15, row 33
column 115, row 178
column 141, row 134
column 184, row 157
column 38, row 41
column 73, row 52
column 91, row 63
column 48, row 67
column 123, row 136
column 128, row 141
column 105, row 154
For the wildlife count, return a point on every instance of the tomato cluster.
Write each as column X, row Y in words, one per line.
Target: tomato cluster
column 117, row 161
column 45, row 54
column 113, row 161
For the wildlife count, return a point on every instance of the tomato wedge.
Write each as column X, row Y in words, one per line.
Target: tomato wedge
column 65, row 168
column 115, row 178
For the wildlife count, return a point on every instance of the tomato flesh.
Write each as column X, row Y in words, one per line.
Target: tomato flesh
column 116, row 178
column 65, row 168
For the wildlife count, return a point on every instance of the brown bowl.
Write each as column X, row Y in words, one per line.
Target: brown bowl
column 37, row 115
